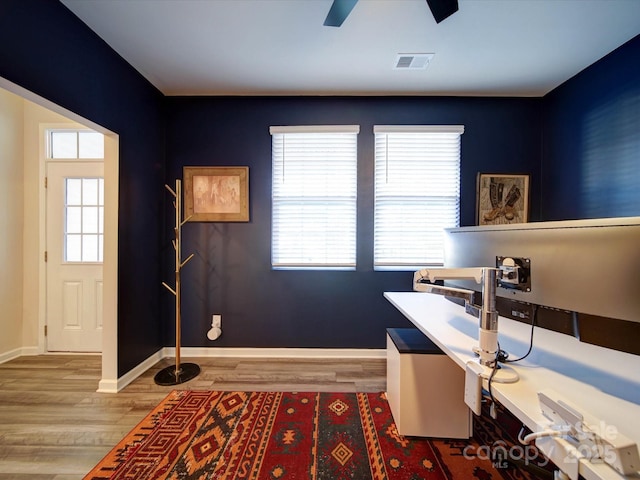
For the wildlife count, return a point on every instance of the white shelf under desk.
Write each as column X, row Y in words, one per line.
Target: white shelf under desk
column 602, row 383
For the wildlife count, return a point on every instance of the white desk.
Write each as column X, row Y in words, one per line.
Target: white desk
column 603, row 383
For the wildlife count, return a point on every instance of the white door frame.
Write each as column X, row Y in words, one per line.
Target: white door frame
column 81, row 279
column 109, row 381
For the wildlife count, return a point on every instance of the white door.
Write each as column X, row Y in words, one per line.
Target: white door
column 75, row 214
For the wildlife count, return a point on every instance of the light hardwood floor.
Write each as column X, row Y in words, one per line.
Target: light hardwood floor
column 54, row 426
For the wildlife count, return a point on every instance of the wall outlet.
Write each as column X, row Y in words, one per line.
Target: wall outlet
column 216, row 321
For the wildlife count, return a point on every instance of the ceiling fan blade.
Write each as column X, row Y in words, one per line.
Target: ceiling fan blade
column 441, row 9
column 339, row 11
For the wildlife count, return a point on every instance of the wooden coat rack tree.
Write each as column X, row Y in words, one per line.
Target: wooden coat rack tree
column 180, row 372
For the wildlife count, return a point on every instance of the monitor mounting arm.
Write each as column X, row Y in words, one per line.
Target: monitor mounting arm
column 486, row 313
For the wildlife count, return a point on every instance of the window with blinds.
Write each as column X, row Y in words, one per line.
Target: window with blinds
column 314, row 197
column 417, row 194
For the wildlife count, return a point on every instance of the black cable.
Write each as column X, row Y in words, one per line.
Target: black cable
column 493, row 372
column 502, row 356
column 533, row 324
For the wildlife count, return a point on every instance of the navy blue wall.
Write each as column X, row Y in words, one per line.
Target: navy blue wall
column 231, row 272
column 591, row 161
column 47, row 50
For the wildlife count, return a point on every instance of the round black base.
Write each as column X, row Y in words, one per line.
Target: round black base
column 168, row 376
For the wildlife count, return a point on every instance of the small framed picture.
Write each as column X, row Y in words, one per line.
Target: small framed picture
column 502, row 199
column 216, row 194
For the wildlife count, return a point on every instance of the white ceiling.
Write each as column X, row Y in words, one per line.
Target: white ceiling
column 280, row 47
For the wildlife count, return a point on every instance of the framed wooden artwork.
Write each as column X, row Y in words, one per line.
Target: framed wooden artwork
column 502, row 199
column 216, row 194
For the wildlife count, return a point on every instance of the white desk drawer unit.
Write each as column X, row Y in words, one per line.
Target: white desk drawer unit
column 425, row 388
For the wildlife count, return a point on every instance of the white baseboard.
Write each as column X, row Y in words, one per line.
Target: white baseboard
column 18, row 352
column 115, row 385
column 107, row 385
column 276, row 352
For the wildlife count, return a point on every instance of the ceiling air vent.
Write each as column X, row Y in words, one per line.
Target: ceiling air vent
column 412, row 61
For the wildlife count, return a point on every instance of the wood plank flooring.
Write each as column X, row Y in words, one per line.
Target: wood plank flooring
column 54, row 426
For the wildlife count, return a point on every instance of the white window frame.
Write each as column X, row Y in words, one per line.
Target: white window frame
column 84, row 206
column 97, row 155
column 417, row 193
column 88, row 228
column 314, row 197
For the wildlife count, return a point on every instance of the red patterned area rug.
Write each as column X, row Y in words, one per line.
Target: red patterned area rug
column 279, row 435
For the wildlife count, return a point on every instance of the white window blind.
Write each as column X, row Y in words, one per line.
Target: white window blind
column 417, row 193
column 314, row 197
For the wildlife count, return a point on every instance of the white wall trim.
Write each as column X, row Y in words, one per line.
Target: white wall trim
column 112, row 385
column 10, row 355
column 107, row 386
column 115, row 385
column 276, row 352
column 18, row 352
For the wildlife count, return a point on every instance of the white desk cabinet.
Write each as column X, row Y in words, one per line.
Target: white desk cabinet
column 425, row 388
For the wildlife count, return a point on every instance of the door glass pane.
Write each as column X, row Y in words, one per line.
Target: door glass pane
column 100, row 248
column 101, row 191
column 74, row 220
column 73, row 248
column 90, row 220
column 64, row 144
column 100, row 219
column 89, row 191
column 74, row 191
column 91, row 145
column 89, row 248
column 84, row 220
